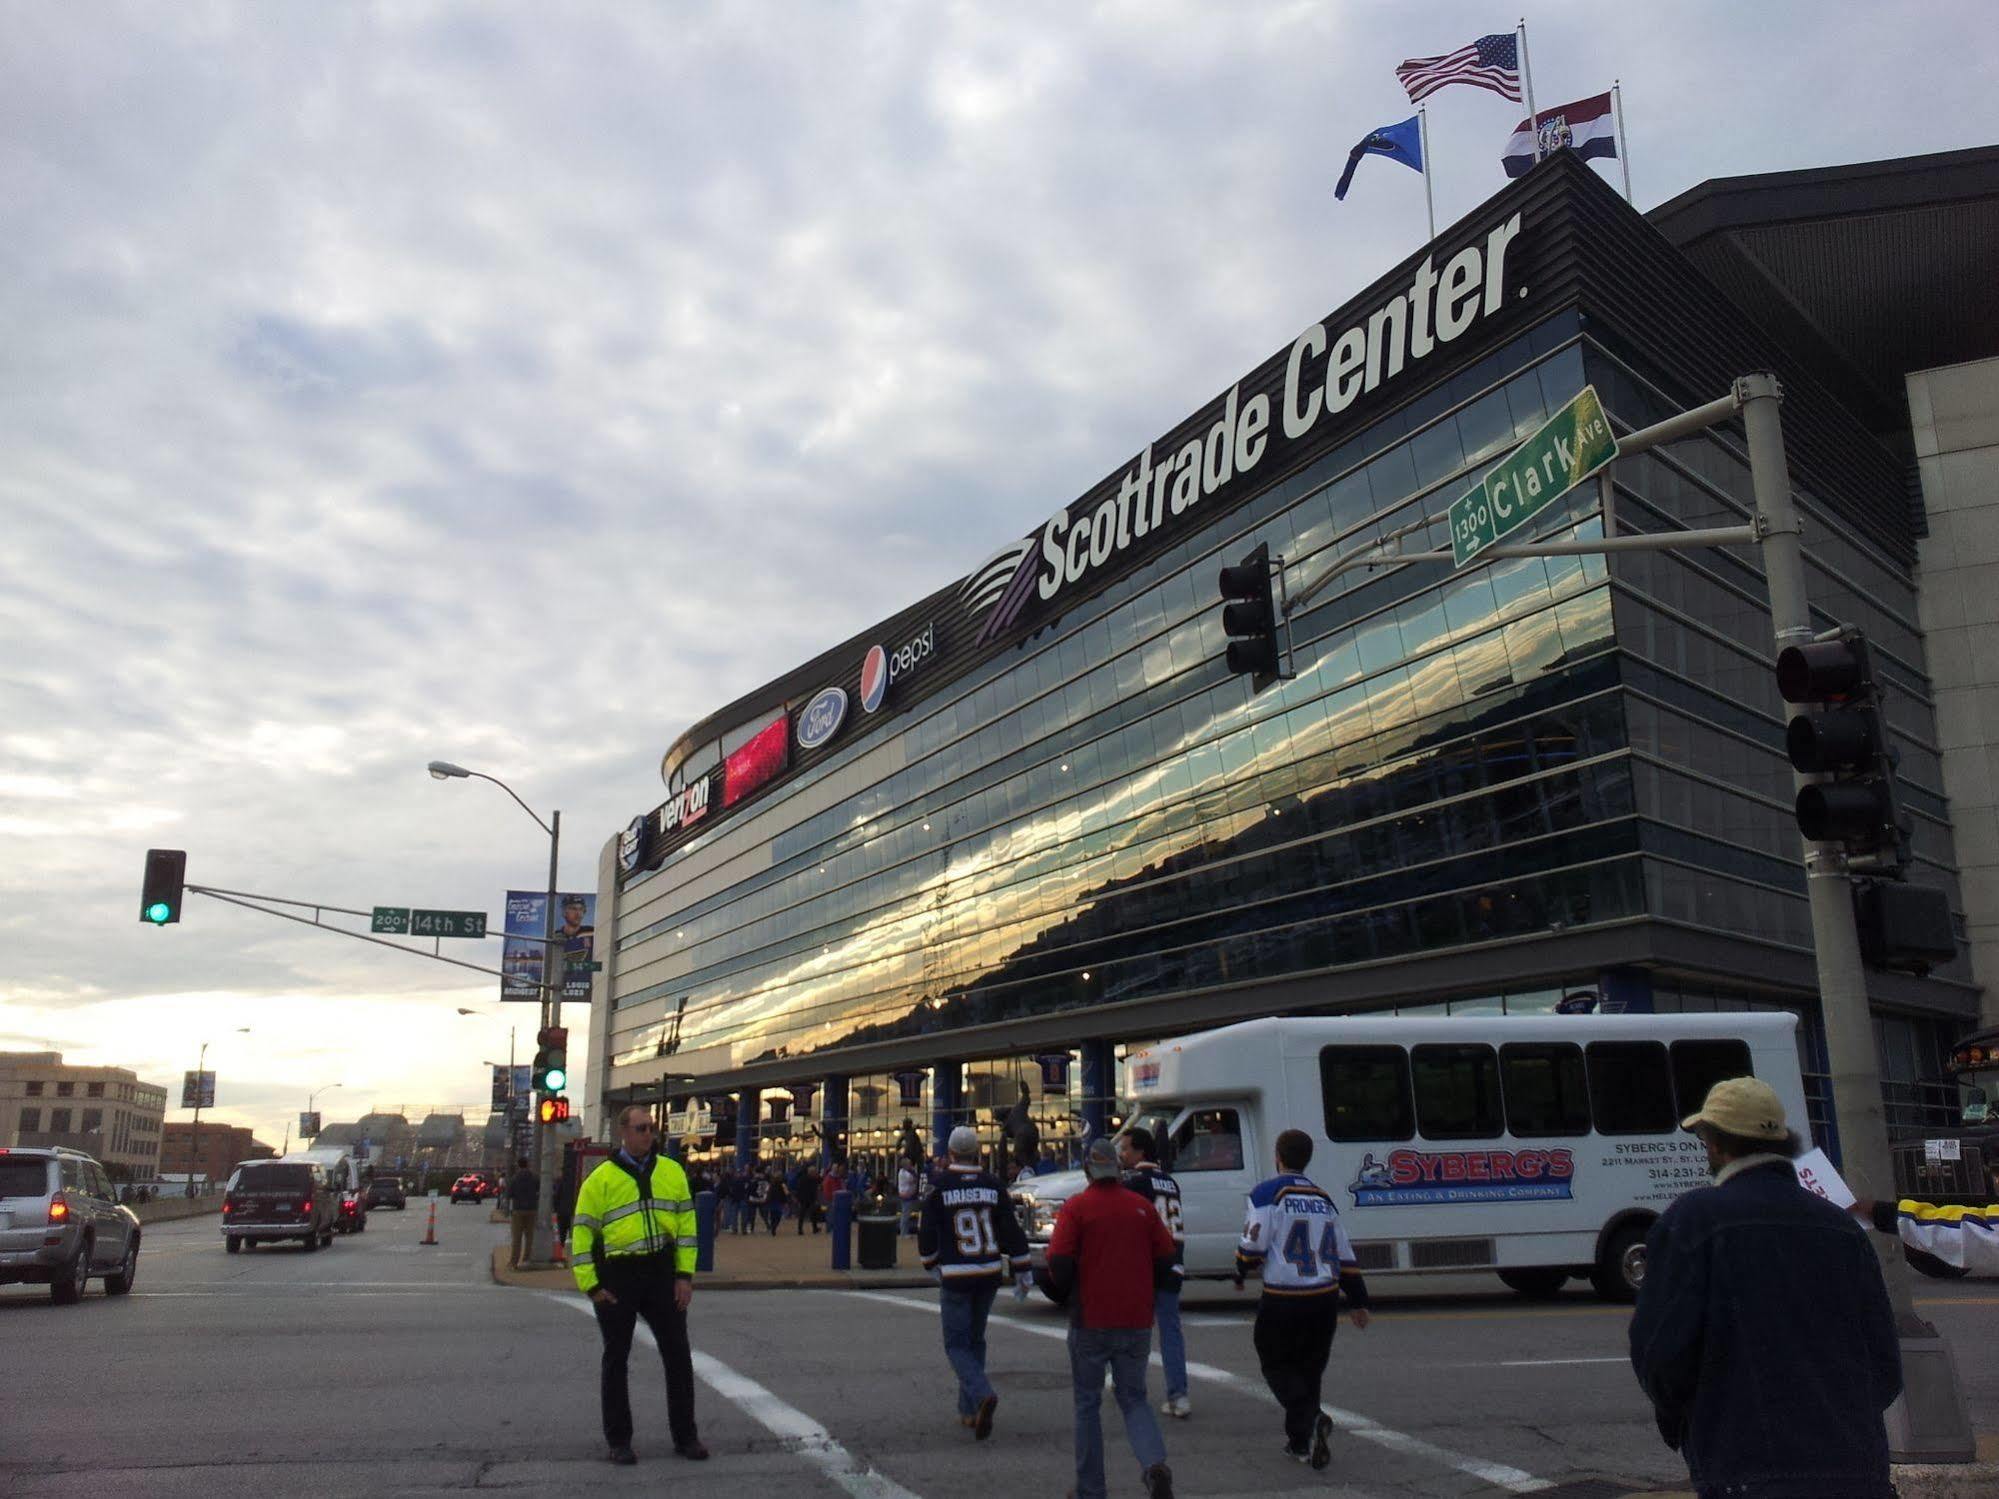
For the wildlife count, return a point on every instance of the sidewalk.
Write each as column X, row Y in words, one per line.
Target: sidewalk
column 755, row 1262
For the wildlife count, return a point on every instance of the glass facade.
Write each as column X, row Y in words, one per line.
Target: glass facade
column 1101, row 814
column 1104, row 813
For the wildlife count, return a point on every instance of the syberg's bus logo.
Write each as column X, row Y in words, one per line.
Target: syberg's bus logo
column 1418, row 1177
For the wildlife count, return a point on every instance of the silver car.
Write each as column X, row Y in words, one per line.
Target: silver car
column 60, row 1224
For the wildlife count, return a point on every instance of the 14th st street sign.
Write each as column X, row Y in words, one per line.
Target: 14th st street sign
column 1570, row 446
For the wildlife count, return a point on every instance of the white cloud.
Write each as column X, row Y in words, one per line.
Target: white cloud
column 398, row 381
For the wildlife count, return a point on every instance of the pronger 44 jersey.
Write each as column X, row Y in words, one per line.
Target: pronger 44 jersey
column 1294, row 1237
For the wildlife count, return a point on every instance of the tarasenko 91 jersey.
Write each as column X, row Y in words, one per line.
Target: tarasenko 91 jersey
column 1293, row 1235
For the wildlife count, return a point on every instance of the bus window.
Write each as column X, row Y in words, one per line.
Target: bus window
column 1547, row 1090
column 1457, row 1092
column 1366, row 1092
column 1699, row 1065
column 1630, row 1090
column 1210, row 1140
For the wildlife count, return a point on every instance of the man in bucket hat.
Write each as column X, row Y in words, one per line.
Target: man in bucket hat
column 1763, row 1332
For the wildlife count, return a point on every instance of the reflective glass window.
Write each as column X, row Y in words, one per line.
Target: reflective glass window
column 1631, row 1091
column 1366, row 1093
column 1699, row 1065
column 1457, row 1091
column 1547, row 1088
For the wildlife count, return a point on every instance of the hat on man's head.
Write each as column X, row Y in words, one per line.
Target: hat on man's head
column 964, row 1141
column 1100, row 1162
column 1743, row 1106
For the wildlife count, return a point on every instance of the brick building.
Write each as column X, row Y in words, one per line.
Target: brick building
column 220, row 1149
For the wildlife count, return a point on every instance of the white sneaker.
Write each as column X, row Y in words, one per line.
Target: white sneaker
column 1176, row 1406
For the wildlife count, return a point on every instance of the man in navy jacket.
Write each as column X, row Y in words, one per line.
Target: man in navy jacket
column 1763, row 1332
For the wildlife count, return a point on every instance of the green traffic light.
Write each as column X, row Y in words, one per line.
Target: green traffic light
column 159, row 912
column 556, row 1080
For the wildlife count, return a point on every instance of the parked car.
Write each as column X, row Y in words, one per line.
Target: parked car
column 474, row 1186
column 61, row 1223
column 386, row 1192
column 270, row 1200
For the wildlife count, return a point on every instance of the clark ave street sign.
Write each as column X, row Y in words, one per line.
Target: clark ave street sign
column 1570, row 446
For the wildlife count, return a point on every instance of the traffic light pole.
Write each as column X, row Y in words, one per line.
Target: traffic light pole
column 1929, row 1421
column 541, row 1246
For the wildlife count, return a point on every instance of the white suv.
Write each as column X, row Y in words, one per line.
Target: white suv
column 60, row 1224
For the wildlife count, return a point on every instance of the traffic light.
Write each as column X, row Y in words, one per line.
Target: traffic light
column 1249, row 618
column 166, row 877
column 551, row 1062
column 554, row 1110
column 1845, row 739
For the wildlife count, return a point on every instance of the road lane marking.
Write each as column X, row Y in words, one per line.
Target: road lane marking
column 798, row 1431
column 1501, row 1475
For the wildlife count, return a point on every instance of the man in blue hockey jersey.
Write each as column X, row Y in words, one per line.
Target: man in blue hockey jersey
column 967, row 1228
column 1293, row 1237
column 1144, row 1175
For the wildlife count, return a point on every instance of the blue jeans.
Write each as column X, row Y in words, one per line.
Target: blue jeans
column 1172, row 1341
column 1124, row 1352
column 965, row 1309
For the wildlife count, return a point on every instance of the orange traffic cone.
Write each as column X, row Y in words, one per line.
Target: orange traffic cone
column 430, row 1228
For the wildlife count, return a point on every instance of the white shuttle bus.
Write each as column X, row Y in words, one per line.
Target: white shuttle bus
column 1540, row 1147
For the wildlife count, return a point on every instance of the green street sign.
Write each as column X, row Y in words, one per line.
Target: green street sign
column 392, row 919
column 1570, row 446
column 595, row 965
column 447, row 923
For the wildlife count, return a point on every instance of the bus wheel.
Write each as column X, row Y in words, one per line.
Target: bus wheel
column 1620, row 1269
column 1537, row 1284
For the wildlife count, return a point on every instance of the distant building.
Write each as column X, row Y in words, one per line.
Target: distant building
column 105, row 1111
column 219, row 1150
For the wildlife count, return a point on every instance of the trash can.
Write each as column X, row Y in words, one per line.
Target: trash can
column 875, row 1232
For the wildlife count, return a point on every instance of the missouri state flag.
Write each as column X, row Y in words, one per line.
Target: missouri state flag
column 1585, row 127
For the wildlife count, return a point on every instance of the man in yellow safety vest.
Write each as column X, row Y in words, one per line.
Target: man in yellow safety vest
column 631, row 1246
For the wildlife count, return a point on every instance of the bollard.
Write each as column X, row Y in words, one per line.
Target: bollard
column 839, row 1224
column 430, row 1228
column 704, row 1231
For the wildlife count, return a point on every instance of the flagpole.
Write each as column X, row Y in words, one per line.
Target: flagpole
column 1623, row 140
column 1527, row 77
column 1423, row 135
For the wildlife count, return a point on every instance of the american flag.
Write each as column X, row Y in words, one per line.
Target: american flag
column 1490, row 62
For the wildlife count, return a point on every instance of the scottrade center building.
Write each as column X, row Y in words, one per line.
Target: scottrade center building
column 979, row 850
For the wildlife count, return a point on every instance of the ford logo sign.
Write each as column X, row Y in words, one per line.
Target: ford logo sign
column 821, row 718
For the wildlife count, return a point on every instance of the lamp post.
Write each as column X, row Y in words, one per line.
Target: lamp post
column 194, row 1138
column 551, row 994
column 314, row 1094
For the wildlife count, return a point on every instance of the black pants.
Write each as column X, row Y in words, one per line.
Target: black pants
column 644, row 1288
column 1294, row 1338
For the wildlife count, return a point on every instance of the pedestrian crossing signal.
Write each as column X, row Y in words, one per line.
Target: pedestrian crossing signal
column 555, row 1111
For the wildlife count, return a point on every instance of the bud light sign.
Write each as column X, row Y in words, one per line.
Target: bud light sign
column 1419, row 1177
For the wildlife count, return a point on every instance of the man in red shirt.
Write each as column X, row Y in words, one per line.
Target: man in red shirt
column 1108, row 1255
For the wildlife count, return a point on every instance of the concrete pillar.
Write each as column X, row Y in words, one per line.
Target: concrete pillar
column 1099, row 1081
column 749, row 1108
column 832, row 1117
column 947, row 1091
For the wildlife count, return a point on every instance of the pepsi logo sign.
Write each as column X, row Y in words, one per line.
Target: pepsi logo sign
column 881, row 670
column 874, row 678
column 821, row 718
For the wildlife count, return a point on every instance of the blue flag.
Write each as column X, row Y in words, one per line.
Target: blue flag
column 1403, row 143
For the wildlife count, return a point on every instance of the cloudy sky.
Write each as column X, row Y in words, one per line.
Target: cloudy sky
column 516, row 384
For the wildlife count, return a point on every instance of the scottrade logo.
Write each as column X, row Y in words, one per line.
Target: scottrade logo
column 874, row 679
column 821, row 718
column 1419, row 1177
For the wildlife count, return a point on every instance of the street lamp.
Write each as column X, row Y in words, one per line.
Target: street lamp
column 551, row 994
column 194, row 1133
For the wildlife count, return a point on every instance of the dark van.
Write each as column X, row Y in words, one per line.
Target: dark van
column 269, row 1200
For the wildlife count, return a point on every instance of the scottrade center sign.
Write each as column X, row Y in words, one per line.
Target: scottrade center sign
column 1332, row 381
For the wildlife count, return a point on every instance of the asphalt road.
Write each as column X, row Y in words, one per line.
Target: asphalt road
column 381, row 1366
